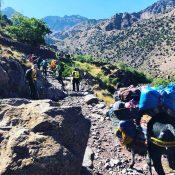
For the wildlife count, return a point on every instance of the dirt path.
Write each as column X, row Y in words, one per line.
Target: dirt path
column 106, row 157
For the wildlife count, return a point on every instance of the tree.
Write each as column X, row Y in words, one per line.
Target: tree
column 28, row 30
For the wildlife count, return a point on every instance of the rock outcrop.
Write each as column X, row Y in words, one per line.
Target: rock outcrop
column 158, row 8
column 14, row 85
column 125, row 38
column 57, row 23
column 12, row 80
column 122, row 21
column 41, row 138
column 91, row 99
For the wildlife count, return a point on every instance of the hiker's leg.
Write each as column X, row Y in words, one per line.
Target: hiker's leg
column 32, row 90
column 132, row 159
column 171, row 157
column 35, row 91
column 156, row 154
column 73, row 83
column 149, row 162
column 62, row 82
column 77, row 85
column 61, row 78
column 45, row 71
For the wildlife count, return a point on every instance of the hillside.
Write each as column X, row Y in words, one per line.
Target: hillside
column 57, row 23
column 9, row 12
column 160, row 7
column 66, row 132
column 143, row 42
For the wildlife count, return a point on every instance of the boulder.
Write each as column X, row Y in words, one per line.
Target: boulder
column 50, row 92
column 12, row 78
column 14, row 85
column 100, row 106
column 41, row 138
column 91, row 99
column 3, row 77
column 88, row 158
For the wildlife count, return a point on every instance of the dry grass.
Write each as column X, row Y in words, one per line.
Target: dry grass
column 106, row 98
column 8, row 53
column 90, row 68
column 97, row 72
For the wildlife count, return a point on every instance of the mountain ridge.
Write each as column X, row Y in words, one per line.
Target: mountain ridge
column 57, row 23
column 146, row 44
column 9, row 12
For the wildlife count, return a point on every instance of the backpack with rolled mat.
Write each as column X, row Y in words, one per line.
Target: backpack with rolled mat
column 129, row 93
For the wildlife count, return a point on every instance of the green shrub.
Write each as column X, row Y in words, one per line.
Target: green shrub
column 83, row 58
column 159, row 82
column 163, row 82
column 32, row 31
column 114, row 81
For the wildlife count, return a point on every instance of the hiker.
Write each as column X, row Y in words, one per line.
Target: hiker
column 60, row 69
column 39, row 60
column 76, row 79
column 44, row 68
column 53, row 66
column 31, row 78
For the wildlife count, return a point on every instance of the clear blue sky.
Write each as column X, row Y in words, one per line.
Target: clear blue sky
column 89, row 8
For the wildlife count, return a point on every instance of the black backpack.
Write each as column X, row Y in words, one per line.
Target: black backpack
column 62, row 67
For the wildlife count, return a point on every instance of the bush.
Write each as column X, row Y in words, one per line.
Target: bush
column 32, row 31
column 114, row 81
column 85, row 58
column 163, row 82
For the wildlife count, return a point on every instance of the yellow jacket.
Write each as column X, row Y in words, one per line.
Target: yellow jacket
column 75, row 74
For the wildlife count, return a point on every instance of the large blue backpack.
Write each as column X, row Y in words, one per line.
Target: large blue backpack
column 159, row 98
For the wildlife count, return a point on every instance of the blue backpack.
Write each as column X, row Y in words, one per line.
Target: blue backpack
column 160, row 97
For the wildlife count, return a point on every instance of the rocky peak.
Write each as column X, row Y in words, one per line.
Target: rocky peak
column 157, row 8
column 9, row 12
column 57, row 23
column 122, row 21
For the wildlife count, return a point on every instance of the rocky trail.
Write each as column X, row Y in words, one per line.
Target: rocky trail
column 103, row 155
column 30, row 136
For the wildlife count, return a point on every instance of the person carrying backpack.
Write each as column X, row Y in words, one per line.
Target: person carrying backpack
column 31, row 78
column 53, row 66
column 60, row 69
column 76, row 79
column 44, row 68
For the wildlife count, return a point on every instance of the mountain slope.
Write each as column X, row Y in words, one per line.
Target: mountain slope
column 146, row 44
column 9, row 12
column 57, row 23
column 157, row 8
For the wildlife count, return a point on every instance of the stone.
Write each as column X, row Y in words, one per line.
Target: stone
column 107, row 166
column 13, row 83
column 100, row 106
column 3, row 77
column 115, row 162
column 12, row 79
column 44, row 138
column 88, row 158
column 91, row 99
column 55, row 94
